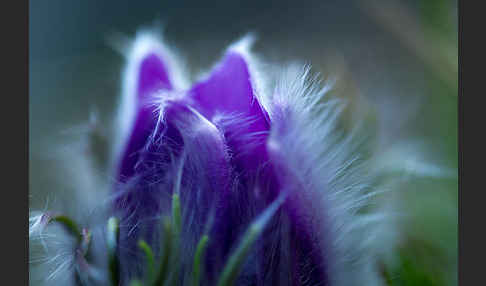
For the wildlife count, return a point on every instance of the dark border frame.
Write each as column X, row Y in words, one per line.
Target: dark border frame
column 15, row 140
column 15, row 212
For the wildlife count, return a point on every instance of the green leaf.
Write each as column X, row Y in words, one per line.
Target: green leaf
column 232, row 267
column 176, row 214
column 149, row 255
column 166, row 253
column 200, row 250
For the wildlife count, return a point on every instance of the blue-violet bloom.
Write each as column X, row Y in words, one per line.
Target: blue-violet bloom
column 251, row 165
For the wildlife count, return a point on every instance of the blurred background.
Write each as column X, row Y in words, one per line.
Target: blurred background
column 395, row 61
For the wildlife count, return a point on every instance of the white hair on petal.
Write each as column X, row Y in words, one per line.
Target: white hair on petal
column 80, row 184
column 51, row 259
column 260, row 83
column 146, row 41
column 54, row 252
column 331, row 161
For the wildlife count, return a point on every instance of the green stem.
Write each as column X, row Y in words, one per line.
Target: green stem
column 69, row 225
column 166, row 252
column 113, row 233
column 232, row 268
column 200, row 250
column 149, row 255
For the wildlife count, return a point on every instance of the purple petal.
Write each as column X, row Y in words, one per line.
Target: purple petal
column 152, row 76
column 213, row 145
column 187, row 151
column 305, row 237
column 229, row 91
column 227, row 99
column 147, row 75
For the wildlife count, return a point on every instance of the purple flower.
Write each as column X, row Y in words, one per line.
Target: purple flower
column 231, row 150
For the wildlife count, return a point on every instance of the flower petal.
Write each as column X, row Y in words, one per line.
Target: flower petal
column 148, row 72
column 304, row 244
column 230, row 90
column 186, row 156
